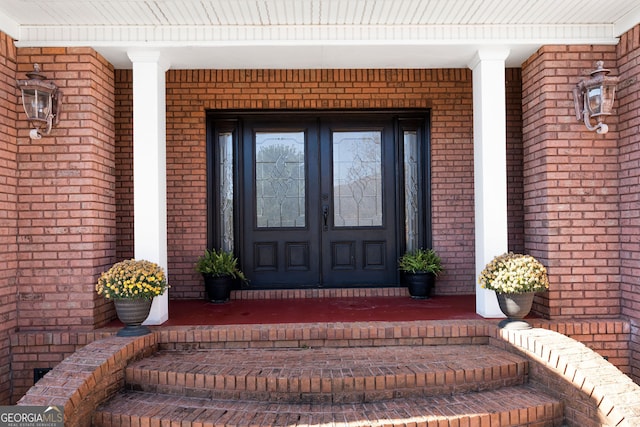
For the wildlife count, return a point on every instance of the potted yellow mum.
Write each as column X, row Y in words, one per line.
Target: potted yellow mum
column 132, row 285
column 515, row 278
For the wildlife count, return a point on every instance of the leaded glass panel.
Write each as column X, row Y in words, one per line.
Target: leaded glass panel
column 411, row 190
column 357, row 179
column 225, row 179
column 280, row 179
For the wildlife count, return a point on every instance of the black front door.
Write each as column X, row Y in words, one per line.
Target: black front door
column 318, row 201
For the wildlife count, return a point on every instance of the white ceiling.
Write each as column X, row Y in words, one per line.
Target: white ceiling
column 315, row 33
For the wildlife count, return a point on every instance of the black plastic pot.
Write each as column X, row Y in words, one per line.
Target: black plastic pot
column 420, row 284
column 218, row 287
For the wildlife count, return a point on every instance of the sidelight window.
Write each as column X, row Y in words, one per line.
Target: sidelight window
column 411, row 190
column 225, row 180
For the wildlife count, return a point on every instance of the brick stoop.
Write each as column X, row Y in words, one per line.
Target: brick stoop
column 343, row 373
column 400, row 364
column 393, row 379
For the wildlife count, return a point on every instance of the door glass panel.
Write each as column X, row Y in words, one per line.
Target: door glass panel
column 280, row 179
column 357, row 179
column 225, row 180
column 411, row 181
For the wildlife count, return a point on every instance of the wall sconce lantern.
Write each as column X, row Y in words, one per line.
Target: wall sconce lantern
column 594, row 97
column 41, row 100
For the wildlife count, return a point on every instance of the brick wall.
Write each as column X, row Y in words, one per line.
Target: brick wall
column 570, row 186
column 8, row 213
column 66, row 188
column 515, row 208
column 628, row 109
column 124, row 162
column 191, row 92
column 43, row 350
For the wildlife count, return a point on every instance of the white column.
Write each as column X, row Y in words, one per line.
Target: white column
column 150, row 168
column 490, row 166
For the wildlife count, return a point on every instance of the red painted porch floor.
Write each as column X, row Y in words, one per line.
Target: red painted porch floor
column 311, row 310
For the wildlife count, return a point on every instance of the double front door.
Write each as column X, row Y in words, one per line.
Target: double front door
column 319, row 200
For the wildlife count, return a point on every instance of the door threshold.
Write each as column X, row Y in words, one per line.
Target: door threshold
column 248, row 294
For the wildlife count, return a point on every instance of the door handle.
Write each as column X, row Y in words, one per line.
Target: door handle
column 325, row 217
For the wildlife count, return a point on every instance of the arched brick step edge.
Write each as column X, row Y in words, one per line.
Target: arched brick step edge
column 89, row 377
column 506, row 407
column 595, row 393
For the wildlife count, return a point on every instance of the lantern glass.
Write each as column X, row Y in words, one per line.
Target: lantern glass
column 29, row 102
column 608, row 94
column 600, row 99
column 594, row 100
column 37, row 104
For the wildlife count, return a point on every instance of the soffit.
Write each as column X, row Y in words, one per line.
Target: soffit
column 315, row 33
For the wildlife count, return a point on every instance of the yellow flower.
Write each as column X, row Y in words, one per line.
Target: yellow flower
column 132, row 279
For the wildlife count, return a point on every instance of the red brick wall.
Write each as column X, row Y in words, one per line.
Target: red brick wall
column 30, row 350
column 191, row 92
column 124, row 162
column 66, row 189
column 628, row 108
column 515, row 209
column 570, row 186
column 8, row 212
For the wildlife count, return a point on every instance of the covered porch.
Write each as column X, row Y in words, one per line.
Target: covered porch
column 175, row 63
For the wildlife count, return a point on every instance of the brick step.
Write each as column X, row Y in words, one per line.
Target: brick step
column 327, row 375
column 509, row 406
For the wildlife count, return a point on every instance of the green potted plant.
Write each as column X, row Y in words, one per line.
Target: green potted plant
column 132, row 285
column 419, row 269
column 219, row 269
column 515, row 278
